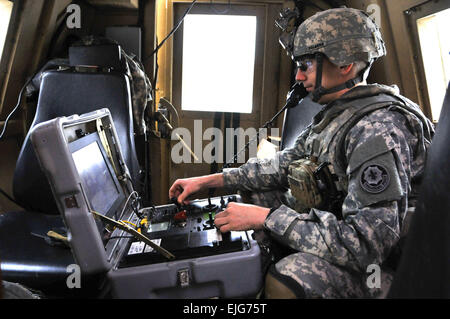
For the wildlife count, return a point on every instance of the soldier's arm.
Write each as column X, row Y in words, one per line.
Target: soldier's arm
column 255, row 175
column 264, row 174
column 371, row 222
column 181, row 189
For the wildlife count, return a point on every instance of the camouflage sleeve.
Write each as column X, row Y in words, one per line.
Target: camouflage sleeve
column 264, row 174
column 378, row 153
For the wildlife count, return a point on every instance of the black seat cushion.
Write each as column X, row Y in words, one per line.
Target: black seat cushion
column 25, row 255
column 28, row 258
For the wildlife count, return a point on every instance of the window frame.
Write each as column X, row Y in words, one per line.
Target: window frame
column 234, row 9
column 5, row 57
column 7, row 28
column 412, row 15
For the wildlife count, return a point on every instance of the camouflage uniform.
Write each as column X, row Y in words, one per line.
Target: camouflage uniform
column 374, row 142
column 333, row 254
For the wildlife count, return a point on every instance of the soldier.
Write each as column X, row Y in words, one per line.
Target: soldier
column 340, row 197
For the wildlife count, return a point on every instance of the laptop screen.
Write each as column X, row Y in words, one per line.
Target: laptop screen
column 97, row 175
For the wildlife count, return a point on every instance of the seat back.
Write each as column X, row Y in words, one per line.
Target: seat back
column 64, row 93
column 424, row 268
column 296, row 119
column 106, row 55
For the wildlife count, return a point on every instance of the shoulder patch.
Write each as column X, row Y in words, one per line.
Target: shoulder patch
column 374, row 178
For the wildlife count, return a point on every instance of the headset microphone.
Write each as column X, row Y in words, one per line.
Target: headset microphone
column 294, row 95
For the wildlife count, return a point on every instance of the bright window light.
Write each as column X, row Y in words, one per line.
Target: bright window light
column 218, row 63
column 5, row 14
column 433, row 35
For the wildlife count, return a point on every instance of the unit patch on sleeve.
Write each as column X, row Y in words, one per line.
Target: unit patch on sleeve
column 375, row 178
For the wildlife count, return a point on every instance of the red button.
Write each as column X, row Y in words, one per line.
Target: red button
column 180, row 216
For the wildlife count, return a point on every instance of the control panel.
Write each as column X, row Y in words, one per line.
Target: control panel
column 185, row 231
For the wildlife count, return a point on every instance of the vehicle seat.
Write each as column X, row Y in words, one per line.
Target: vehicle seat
column 26, row 256
column 424, row 268
column 296, row 119
column 64, row 93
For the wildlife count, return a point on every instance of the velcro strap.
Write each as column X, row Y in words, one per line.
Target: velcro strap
column 370, row 149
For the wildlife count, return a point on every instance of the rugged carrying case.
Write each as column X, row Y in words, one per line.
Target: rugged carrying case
column 83, row 161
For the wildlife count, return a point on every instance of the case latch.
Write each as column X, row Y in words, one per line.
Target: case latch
column 183, row 278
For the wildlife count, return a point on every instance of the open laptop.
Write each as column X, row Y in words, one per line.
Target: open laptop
column 144, row 252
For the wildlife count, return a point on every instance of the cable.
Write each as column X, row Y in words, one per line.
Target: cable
column 126, row 203
column 135, row 233
column 161, row 44
column 129, row 223
column 293, row 98
column 9, row 197
column 173, row 30
column 16, row 107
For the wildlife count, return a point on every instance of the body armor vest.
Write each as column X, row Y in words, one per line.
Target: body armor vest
column 325, row 147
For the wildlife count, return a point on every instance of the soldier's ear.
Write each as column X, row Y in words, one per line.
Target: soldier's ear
column 346, row 68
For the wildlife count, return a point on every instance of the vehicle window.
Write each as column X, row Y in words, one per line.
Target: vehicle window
column 218, row 59
column 435, row 48
column 5, row 14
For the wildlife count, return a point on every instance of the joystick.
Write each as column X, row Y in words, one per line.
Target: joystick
column 174, row 201
column 210, row 222
column 232, row 198
column 210, row 207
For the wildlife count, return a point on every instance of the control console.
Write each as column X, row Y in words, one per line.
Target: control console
column 186, row 231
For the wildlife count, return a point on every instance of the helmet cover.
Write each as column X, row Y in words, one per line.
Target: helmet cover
column 343, row 35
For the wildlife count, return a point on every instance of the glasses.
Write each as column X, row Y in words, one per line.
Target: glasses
column 305, row 65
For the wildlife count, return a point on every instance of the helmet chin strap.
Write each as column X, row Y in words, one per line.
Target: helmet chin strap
column 320, row 91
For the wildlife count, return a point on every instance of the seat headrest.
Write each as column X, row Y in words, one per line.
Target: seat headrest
column 101, row 55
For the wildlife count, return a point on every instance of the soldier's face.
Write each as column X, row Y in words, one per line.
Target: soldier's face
column 331, row 76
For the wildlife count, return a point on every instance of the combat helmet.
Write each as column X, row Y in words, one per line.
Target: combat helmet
column 344, row 36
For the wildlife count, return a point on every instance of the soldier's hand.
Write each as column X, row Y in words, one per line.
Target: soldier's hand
column 182, row 188
column 239, row 216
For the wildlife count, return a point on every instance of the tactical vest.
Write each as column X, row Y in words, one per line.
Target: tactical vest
column 325, row 141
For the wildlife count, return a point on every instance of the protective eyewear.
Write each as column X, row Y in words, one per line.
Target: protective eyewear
column 304, row 65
